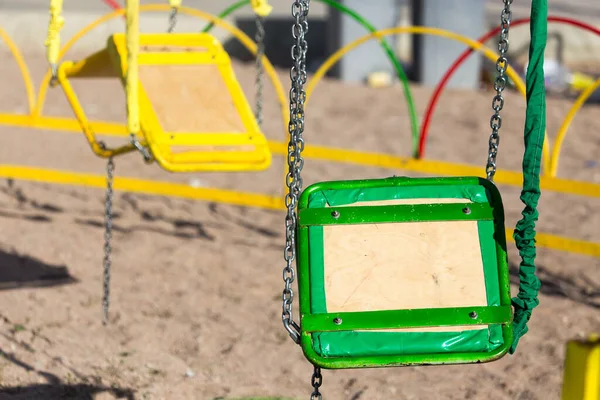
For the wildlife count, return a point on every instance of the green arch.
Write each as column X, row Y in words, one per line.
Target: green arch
column 384, row 44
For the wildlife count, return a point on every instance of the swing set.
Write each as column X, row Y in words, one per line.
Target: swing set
column 391, row 272
column 411, row 271
column 203, row 125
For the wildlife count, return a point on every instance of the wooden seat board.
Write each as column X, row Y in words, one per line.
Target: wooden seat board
column 198, row 99
column 391, row 266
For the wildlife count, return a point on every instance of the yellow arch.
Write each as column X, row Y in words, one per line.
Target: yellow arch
column 420, row 30
column 22, row 68
column 241, row 36
column 566, row 123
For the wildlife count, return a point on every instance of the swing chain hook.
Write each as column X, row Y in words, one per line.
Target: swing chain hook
column 110, row 168
column 54, row 77
column 295, row 161
column 499, row 86
column 141, row 148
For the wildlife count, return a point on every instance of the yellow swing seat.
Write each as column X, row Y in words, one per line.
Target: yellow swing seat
column 194, row 115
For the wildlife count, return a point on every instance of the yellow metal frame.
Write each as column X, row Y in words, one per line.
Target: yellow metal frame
column 112, row 62
column 582, row 370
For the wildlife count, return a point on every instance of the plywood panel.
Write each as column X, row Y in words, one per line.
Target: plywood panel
column 190, row 99
column 403, row 266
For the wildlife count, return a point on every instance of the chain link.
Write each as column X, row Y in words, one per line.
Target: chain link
column 148, row 158
column 294, row 158
column 499, row 86
column 316, row 381
column 172, row 19
column 54, row 77
column 260, row 72
column 110, row 169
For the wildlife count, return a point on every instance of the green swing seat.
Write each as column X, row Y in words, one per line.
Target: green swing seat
column 403, row 271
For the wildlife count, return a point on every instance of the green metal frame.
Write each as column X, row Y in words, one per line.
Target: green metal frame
column 314, row 322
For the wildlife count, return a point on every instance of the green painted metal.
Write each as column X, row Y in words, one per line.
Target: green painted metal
column 402, row 319
column 404, row 360
column 395, row 213
column 315, row 320
column 412, row 109
column 397, row 181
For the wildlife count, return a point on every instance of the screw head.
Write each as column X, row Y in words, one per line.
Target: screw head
column 337, row 321
column 473, row 315
column 466, row 210
column 335, row 214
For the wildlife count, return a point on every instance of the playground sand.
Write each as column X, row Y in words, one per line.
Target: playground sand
column 196, row 286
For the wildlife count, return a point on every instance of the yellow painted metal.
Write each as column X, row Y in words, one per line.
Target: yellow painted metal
column 562, row 132
column 235, row 32
column 262, row 8
column 62, row 124
column 54, row 26
column 142, row 186
column 582, row 370
column 206, row 150
column 29, row 88
column 335, row 155
column 246, row 199
column 66, row 68
column 131, row 74
column 205, row 47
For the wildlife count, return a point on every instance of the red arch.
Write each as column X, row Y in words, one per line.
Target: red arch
column 458, row 62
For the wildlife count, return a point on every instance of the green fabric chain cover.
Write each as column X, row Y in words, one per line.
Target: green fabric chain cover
column 535, row 128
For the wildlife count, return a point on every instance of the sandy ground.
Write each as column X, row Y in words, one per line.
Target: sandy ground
column 196, row 286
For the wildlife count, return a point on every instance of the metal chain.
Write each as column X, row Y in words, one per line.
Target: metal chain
column 54, row 78
column 140, row 147
column 260, row 72
column 172, row 19
column 110, row 168
column 295, row 162
column 148, row 158
column 499, row 86
column 316, row 381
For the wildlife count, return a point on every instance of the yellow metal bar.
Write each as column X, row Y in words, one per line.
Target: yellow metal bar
column 143, row 186
column 245, row 199
column 176, row 58
column 422, row 30
column 237, row 157
column 562, row 243
column 62, row 124
column 132, row 86
column 210, row 139
column 29, row 89
column 54, row 26
column 440, row 168
column 562, row 132
column 196, row 41
column 98, row 65
column 582, row 370
column 336, row 155
column 98, row 149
